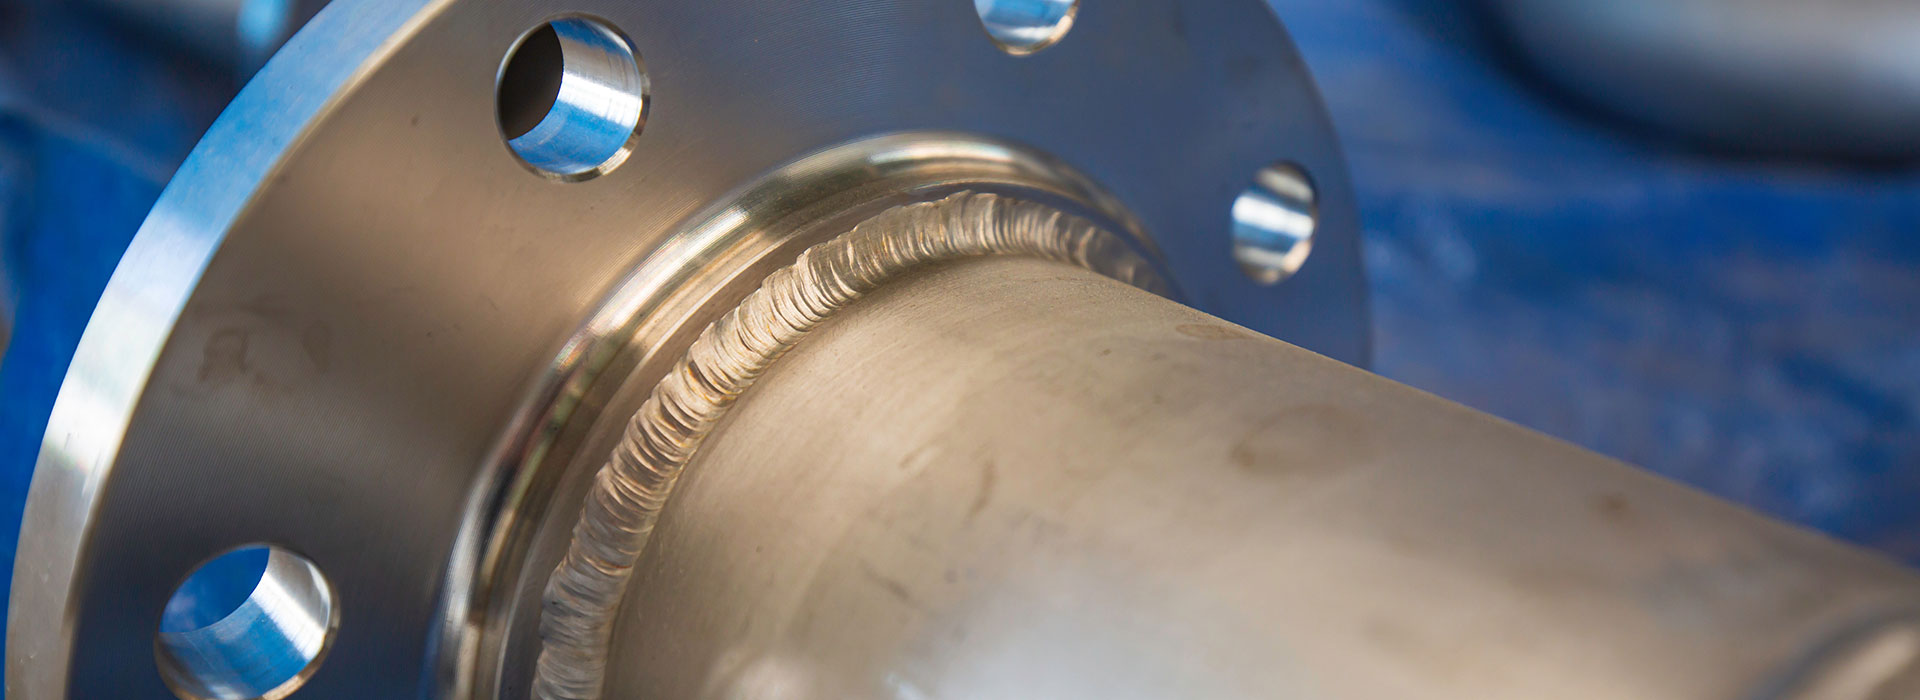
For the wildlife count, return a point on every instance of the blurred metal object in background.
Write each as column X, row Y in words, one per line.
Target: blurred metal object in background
column 1741, row 324
column 1817, row 78
column 238, row 33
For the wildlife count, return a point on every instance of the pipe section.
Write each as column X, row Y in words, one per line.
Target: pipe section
column 1017, row 478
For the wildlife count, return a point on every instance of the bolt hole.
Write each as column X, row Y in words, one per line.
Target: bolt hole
column 251, row 624
column 1022, row 27
column 572, row 98
column 531, row 82
column 1274, row 222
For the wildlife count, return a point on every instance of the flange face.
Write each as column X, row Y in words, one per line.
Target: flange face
column 336, row 310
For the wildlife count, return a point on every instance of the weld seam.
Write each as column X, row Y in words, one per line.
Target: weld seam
column 583, row 594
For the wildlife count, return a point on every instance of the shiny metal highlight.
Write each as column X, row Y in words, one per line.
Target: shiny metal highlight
column 584, row 594
column 1273, row 224
column 600, row 109
column 266, row 648
column 1023, row 27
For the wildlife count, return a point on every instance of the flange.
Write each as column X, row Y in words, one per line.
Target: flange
column 372, row 326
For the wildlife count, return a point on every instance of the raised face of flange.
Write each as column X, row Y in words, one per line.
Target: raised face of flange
column 349, row 376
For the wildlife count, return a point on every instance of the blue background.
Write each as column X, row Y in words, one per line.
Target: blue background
column 1745, row 325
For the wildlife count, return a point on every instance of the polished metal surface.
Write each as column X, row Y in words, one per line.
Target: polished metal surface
column 1013, row 478
column 650, row 319
column 391, row 324
column 353, row 325
column 266, row 648
column 598, row 104
column 1829, row 78
column 583, row 596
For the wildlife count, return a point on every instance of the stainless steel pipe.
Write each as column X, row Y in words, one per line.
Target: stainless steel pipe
column 367, row 330
column 1013, row 478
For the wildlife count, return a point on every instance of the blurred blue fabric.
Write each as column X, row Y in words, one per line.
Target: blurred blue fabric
column 92, row 123
column 1749, row 327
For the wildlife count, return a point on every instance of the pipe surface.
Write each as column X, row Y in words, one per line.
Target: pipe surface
column 1012, row 478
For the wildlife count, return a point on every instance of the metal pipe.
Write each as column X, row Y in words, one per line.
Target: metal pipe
column 584, row 594
column 1015, row 478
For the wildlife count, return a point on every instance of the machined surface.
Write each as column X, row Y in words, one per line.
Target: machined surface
column 343, row 305
column 1011, row 478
